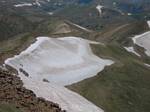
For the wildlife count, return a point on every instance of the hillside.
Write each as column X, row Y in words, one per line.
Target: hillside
column 123, row 87
column 84, row 55
column 15, row 98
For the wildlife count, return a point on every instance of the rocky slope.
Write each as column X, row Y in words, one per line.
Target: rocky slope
column 13, row 92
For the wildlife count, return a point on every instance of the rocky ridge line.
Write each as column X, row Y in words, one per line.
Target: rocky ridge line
column 13, row 92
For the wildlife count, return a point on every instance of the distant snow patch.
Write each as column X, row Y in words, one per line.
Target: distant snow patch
column 99, row 8
column 121, row 12
column 148, row 22
column 37, row 3
column 114, row 3
column 129, row 14
column 50, row 13
column 131, row 49
column 83, row 28
column 60, row 61
column 143, row 40
column 148, row 65
column 23, row 4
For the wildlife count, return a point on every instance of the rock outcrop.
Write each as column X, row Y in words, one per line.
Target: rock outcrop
column 13, row 92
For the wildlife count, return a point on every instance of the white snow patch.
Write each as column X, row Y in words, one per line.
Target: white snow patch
column 129, row 14
column 37, row 3
column 143, row 40
column 131, row 49
column 50, row 13
column 83, row 28
column 23, row 4
column 121, row 12
column 99, row 8
column 114, row 3
column 148, row 22
column 148, row 65
column 62, row 61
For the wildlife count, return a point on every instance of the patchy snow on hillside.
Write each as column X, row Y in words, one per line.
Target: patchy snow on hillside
column 37, row 2
column 23, row 4
column 60, row 62
column 129, row 14
column 131, row 49
column 148, row 65
column 148, row 22
column 99, row 8
column 121, row 12
column 143, row 40
column 50, row 13
column 80, row 27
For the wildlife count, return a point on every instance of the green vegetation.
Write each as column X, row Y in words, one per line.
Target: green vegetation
column 88, row 16
column 8, row 108
column 122, row 87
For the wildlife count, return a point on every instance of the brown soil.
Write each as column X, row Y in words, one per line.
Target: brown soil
column 13, row 92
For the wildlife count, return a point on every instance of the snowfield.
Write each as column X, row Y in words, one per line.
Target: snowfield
column 52, row 63
column 62, row 61
column 67, row 100
column 143, row 40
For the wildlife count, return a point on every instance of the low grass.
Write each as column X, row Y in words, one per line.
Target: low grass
column 122, row 87
column 8, row 108
column 14, row 46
